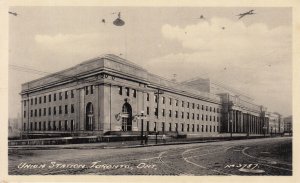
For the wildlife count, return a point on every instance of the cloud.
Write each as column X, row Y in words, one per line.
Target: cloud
column 252, row 58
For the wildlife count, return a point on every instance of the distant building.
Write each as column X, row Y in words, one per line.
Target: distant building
column 106, row 94
column 288, row 124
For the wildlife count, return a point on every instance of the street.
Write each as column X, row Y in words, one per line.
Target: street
column 270, row 156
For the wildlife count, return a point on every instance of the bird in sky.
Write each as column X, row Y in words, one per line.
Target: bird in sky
column 246, row 13
column 13, row 13
column 103, row 21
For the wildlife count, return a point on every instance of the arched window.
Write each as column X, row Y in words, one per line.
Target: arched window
column 126, row 117
column 89, row 122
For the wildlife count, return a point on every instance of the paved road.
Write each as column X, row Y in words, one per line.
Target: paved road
column 272, row 156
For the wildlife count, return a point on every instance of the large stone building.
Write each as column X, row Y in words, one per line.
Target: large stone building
column 108, row 94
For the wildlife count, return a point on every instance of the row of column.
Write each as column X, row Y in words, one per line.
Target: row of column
column 240, row 122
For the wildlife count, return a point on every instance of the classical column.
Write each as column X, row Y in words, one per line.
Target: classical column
column 242, row 122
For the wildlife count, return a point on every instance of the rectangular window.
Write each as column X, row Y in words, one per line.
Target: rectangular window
column 31, row 113
column 193, row 116
column 182, row 104
column 170, row 127
column 182, row 115
column 188, row 115
column 193, row 106
column 155, row 126
column 214, row 118
column 170, row 101
column 49, row 97
column 193, row 127
column 198, row 106
column 72, row 108
column 163, row 112
column 148, row 97
column 40, row 100
column 35, row 113
column 30, row 126
column 155, row 98
column 206, row 117
column 54, row 97
column 170, row 113
column 188, row 105
column 31, row 101
column 54, row 110
column 217, row 128
column 209, row 118
column 49, row 111
column 134, row 93
column 214, row 128
column 86, row 90
column 49, row 125
column 176, row 102
column 163, row 100
column 148, row 110
column 59, row 125
column 44, row 126
column 202, row 128
column 45, row 112
column 72, row 93
column 66, row 109
column 202, row 117
column 120, row 90
column 214, row 109
column 40, row 126
column 188, row 127
column 66, row 125
column 54, row 125
column 66, row 94
column 24, row 114
column 45, row 99
column 198, row 116
column 206, row 128
column 60, row 96
column 198, row 129
column 202, row 107
column 127, row 91
column 176, row 127
column 147, row 128
column 35, row 101
column 182, row 127
column 206, row 108
column 24, row 102
column 59, row 110
column 176, row 114
column 163, row 127
column 209, row 109
column 40, row 112
column 92, row 89
column 209, row 128
column 155, row 111
column 35, row 126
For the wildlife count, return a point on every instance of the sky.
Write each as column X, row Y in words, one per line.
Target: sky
column 252, row 54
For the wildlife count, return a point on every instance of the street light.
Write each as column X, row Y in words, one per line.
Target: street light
column 142, row 117
column 230, row 122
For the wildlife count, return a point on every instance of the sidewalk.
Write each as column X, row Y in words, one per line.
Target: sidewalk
column 106, row 145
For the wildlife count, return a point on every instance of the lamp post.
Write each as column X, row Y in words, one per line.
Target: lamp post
column 230, row 123
column 142, row 117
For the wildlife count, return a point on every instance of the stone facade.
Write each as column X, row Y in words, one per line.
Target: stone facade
column 109, row 94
